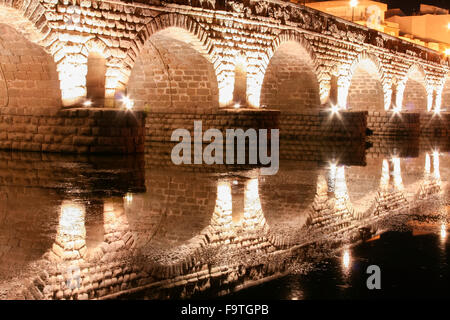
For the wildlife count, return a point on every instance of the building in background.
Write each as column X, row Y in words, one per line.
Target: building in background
column 364, row 12
column 430, row 27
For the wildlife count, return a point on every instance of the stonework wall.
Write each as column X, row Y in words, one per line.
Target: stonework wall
column 435, row 125
column 391, row 124
column 74, row 131
column 159, row 126
column 323, row 124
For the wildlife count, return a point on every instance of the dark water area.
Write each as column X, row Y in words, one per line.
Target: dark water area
column 412, row 267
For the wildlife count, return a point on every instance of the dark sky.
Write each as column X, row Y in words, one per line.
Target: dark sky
column 411, row 5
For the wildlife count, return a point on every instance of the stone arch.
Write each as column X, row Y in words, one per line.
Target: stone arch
column 174, row 68
column 414, row 90
column 290, row 80
column 366, row 87
column 101, row 73
column 29, row 83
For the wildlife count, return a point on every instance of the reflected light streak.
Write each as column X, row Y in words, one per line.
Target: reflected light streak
column 443, row 232
column 71, row 221
column 384, row 181
column 427, row 164
column 341, row 185
column 332, row 176
column 253, row 215
column 436, row 171
column 346, row 259
column 224, row 206
column 397, row 173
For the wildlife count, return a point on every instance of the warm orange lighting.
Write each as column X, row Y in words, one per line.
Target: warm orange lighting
column 447, row 52
column 354, row 3
column 236, row 106
column 87, row 103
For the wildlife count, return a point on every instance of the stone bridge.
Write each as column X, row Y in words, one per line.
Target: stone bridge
column 70, row 68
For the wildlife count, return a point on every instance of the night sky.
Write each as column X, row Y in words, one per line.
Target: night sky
column 408, row 6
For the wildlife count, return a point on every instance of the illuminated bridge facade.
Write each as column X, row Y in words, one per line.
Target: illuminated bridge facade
column 69, row 69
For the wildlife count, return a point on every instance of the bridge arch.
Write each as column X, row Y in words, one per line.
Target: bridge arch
column 29, row 83
column 414, row 93
column 367, row 88
column 174, row 68
column 290, row 82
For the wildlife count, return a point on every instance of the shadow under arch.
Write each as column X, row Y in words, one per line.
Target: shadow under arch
column 174, row 68
column 367, row 87
column 290, row 81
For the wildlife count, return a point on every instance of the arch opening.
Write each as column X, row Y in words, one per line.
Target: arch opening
column 415, row 97
column 172, row 73
column 29, row 82
column 290, row 83
column 95, row 78
column 366, row 90
column 240, row 81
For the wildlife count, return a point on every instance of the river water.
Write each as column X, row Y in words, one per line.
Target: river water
column 134, row 227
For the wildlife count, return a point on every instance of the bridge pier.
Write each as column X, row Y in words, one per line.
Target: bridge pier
column 388, row 123
column 75, row 130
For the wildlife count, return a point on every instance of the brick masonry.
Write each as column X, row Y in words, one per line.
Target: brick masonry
column 74, row 131
column 394, row 124
column 182, row 56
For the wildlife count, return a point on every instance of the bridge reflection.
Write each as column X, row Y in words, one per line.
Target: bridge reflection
column 176, row 232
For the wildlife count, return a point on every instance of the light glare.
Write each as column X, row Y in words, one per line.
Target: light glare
column 127, row 103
